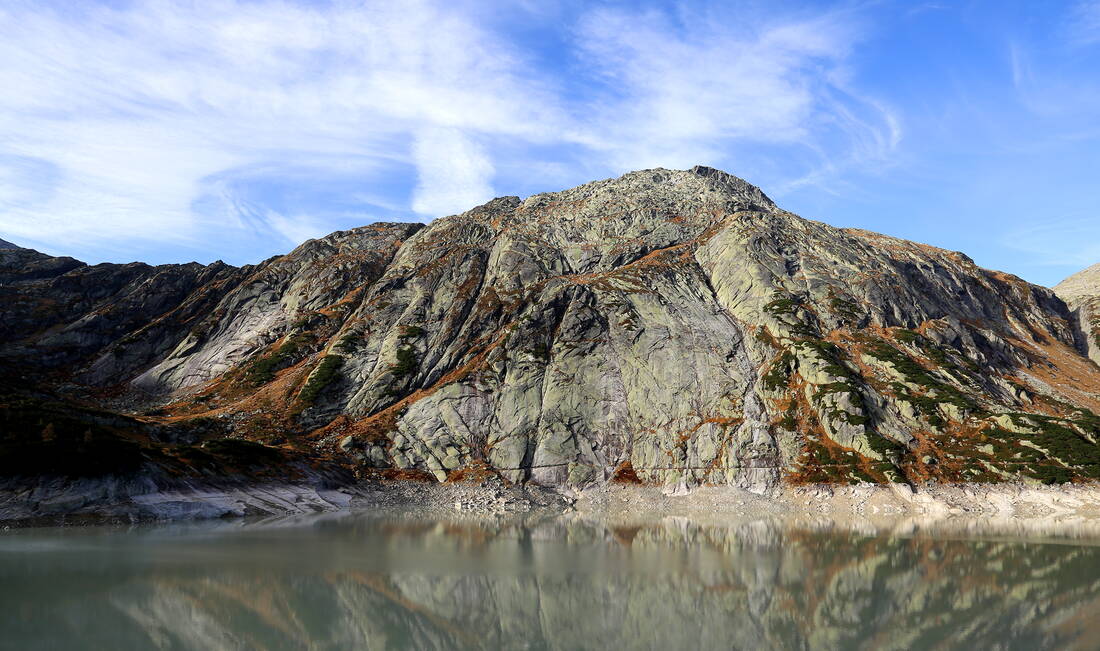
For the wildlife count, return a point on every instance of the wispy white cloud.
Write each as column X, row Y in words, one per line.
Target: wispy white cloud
column 1072, row 243
column 296, row 229
column 925, row 7
column 131, row 124
column 1084, row 23
column 690, row 90
column 454, row 172
column 1046, row 86
column 137, row 105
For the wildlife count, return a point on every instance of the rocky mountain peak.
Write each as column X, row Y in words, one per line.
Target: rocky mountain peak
column 4, row 244
column 684, row 191
column 663, row 326
column 604, row 224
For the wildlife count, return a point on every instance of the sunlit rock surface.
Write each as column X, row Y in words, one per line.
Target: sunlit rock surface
column 1081, row 292
column 665, row 326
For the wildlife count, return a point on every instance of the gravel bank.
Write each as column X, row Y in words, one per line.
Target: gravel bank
column 945, row 510
column 89, row 501
column 92, row 501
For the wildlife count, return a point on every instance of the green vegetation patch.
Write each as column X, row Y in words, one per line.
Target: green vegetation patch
column 825, row 465
column 781, row 306
column 848, row 310
column 411, row 332
column 262, row 370
column 1063, row 443
column 788, row 306
column 884, row 446
column 825, row 349
column 1057, row 453
column 406, row 362
column 914, row 373
column 854, row 395
column 348, row 343
column 834, row 356
column 1089, row 423
column 910, row 370
column 931, row 350
column 789, row 421
column 906, row 336
column 321, row 377
column 779, row 373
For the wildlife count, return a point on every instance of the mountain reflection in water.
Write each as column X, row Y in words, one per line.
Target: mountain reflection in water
column 406, row 581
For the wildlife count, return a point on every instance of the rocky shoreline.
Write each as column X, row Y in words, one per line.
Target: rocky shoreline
column 939, row 510
column 76, row 502
column 106, row 500
column 1006, row 500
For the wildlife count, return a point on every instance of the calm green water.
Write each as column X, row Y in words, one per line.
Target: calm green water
column 400, row 581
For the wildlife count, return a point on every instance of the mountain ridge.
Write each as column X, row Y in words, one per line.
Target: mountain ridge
column 663, row 326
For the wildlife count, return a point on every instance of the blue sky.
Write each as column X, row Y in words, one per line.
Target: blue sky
column 203, row 130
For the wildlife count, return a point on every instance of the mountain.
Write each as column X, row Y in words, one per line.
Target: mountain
column 4, row 244
column 664, row 326
column 1081, row 292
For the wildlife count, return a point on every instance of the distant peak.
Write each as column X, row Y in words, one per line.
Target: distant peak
column 1083, row 283
column 735, row 185
column 700, row 183
column 709, row 172
column 724, row 178
column 699, row 189
column 498, row 204
column 4, row 244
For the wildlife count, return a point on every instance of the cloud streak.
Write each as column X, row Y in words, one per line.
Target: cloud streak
column 1084, row 26
column 696, row 89
column 1070, row 243
column 207, row 125
column 137, row 107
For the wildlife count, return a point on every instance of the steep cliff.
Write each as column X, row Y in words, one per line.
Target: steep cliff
column 1081, row 292
column 663, row 326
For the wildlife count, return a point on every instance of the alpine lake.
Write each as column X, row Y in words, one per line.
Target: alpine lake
column 406, row 580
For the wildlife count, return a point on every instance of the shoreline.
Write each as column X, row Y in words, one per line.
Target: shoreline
column 1006, row 500
column 53, row 502
column 943, row 510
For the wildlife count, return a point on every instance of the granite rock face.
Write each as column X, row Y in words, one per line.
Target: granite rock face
column 1081, row 292
column 665, row 326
